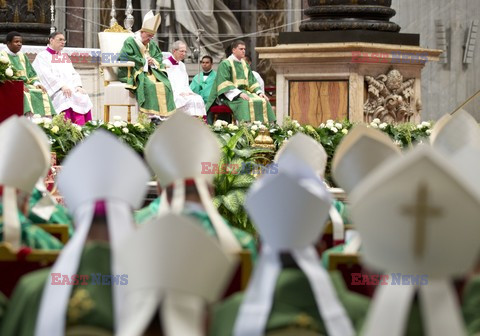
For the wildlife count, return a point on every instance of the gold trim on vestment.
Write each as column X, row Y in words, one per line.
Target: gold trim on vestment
column 224, row 85
column 253, row 87
column 251, row 107
column 26, row 95
column 264, row 110
column 46, row 103
column 161, row 95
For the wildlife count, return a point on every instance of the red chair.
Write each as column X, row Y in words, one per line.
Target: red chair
column 217, row 110
column 15, row 264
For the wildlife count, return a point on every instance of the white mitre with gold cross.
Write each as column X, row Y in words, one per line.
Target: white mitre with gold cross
column 410, row 226
column 312, row 153
column 453, row 132
column 361, row 151
column 174, row 267
column 289, row 209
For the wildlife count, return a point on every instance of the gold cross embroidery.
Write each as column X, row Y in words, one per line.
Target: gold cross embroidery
column 420, row 211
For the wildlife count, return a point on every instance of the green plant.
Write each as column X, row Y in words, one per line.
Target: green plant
column 231, row 184
column 134, row 135
column 63, row 134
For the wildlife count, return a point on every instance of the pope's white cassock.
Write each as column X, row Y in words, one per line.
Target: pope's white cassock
column 54, row 72
column 185, row 99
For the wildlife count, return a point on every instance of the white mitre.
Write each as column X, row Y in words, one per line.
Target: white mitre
column 151, row 22
column 24, row 159
column 361, row 151
column 289, row 209
column 101, row 168
column 453, row 132
column 178, row 150
column 175, row 267
column 410, row 226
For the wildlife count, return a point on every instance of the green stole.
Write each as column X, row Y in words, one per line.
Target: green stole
column 153, row 89
column 237, row 75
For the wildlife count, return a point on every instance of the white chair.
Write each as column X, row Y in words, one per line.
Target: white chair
column 111, row 41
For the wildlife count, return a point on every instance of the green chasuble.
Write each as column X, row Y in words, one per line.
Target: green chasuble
column 203, row 87
column 237, row 75
column 471, row 305
column 152, row 89
column 34, row 101
column 246, row 240
column 59, row 216
column 33, row 236
column 293, row 306
column 90, row 306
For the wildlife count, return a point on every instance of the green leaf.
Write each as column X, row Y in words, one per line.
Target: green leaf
column 232, row 143
column 232, row 201
column 243, row 181
column 218, row 201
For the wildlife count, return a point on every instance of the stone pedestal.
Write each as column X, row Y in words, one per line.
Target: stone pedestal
column 320, row 81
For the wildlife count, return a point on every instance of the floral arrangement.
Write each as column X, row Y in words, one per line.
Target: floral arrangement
column 64, row 135
column 238, row 149
column 135, row 135
column 6, row 71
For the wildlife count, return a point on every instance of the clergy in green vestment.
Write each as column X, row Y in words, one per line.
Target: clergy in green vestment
column 148, row 78
column 293, row 306
column 203, row 82
column 36, row 99
column 103, row 217
column 90, row 310
column 471, row 304
column 31, row 235
column 43, row 209
column 236, row 86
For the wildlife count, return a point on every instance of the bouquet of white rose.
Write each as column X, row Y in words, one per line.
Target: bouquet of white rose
column 6, row 71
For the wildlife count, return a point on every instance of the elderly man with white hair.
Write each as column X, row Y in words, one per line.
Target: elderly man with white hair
column 185, row 99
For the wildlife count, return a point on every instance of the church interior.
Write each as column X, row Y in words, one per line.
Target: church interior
column 227, row 167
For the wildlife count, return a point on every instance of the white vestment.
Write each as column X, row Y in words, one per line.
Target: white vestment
column 56, row 71
column 185, row 99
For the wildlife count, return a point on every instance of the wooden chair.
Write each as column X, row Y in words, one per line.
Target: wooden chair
column 14, row 264
column 59, row 231
column 348, row 263
column 111, row 42
column 242, row 274
column 217, row 110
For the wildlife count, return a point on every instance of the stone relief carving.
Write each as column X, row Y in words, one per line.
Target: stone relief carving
column 390, row 98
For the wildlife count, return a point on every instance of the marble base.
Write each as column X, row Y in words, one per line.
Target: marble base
column 336, row 62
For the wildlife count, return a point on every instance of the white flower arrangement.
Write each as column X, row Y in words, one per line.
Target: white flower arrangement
column 382, row 126
column 9, row 72
column 125, row 130
column 232, row 127
column 4, row 59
